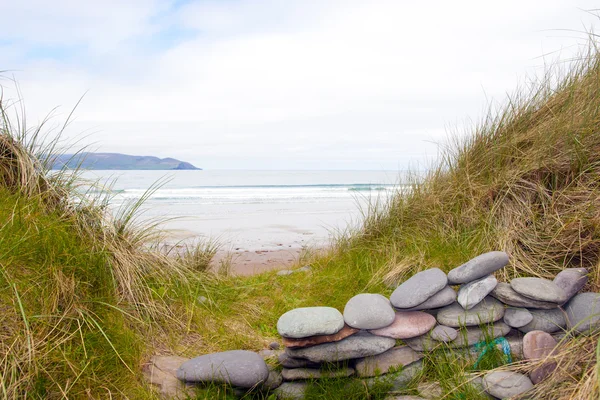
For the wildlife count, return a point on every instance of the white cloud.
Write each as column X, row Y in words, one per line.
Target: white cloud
column 256, row 84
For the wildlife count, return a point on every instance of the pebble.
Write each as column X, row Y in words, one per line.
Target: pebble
column 362, row 344
column 470, row 294
column 314, row 340
column 583, row 312
column 310, row 321
column 368, row 311
column 546, row 320
column 517, row 317
column 478, row 267
column 506, row 384
column 443, row 333
column 538, row 345
column 571, row 280
column 488, row 310
column 505, row 293
column 539, row 289
column 381, row 363
column 444, row 297
column 407, row 324
column 291, row 390
column 298, row 374
column 240, row 368
column 418, row 288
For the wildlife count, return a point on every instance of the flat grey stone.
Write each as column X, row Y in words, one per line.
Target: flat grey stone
column 291, row 390
column 240, row 368
column 505, row 384
column 517, row 317
column 488, row 310
column 470, row 294
column 571, row 280
column 583, row 312
column 539, row 289
column 310, row 321
column 273, row 381
column 418, row 288
column 362, row 344
column 477, row 383
column 465, row 337
column 381, row 363
column 546, row 320
column 407, row 324
column 443, row 333
column 368, row 311
column 508, row 296
column 289, row 362
column 478, row 267
column 298, row 374
column 444, row 297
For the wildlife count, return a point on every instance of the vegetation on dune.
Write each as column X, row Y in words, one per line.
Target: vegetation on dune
column 87, row 301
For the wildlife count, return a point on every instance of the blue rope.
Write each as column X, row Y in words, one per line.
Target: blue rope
column 485, row 346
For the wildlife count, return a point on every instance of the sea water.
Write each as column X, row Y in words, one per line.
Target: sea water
column 254, row 209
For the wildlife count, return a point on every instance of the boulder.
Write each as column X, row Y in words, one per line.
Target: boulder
column 310, row 321
column 478, row 267
column 240, row 368
column 368, row 311
column 583, row 312
column 505, row 293
column 517, row 317
column 488, row 310
column 545, row 320
column 362, row 344
column 506, row 384
column 539, row 289
column 571, row 281
column 470, row 294
column 407, row 324
column 419, row 288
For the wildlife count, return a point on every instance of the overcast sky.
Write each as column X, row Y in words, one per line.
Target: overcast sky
column 280, row 84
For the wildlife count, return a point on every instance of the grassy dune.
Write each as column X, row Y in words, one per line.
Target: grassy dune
column 84, row 300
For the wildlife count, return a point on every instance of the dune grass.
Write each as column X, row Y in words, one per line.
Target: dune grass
column 86, row 300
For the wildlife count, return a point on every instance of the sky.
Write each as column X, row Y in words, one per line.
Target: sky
column 287, row 84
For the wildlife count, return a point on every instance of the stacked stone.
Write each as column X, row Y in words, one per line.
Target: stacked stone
column 423, row 312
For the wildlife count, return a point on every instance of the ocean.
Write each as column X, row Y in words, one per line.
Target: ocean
column 251, row 210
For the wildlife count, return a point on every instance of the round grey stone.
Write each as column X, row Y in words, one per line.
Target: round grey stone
column 517, row 317
column 470, row 294
column 539, row 289
column 239, row 368
column 546, row 320
column 571, row 280
column 419, row 288
column 368, row 311
column 359, row 345
column 310, row 321
column 478, row 267
column 508, row 296
column 488, row 310
column 583, row 312
column 443, row 298
column 443, row 333
column 505, row 384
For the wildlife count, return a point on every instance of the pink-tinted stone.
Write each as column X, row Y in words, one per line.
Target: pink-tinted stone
column 538, row 345
column 407, row 324
column 314, row 340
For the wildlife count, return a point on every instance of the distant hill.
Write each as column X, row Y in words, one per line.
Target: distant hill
column 116, row 161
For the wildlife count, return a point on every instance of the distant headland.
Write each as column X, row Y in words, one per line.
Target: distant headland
column 116, row 161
